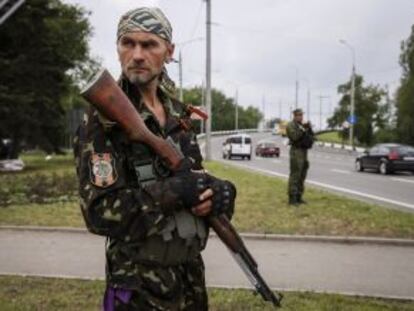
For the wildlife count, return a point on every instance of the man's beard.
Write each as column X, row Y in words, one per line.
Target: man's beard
column 142, row 80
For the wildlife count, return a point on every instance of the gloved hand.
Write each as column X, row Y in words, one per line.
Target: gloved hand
column 188, row 186
column 224, row 195
column 182, row 190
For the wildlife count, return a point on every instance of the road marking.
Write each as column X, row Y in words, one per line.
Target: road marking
column 403, row 180
column 336, row 188
column 340, row 171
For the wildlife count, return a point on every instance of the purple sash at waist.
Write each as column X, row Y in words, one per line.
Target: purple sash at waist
column 111, row 294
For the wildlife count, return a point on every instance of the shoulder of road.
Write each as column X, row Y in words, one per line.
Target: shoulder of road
column 248, row 235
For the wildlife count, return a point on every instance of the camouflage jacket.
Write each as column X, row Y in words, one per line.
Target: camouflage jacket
column 114, row 202
column 299, row 136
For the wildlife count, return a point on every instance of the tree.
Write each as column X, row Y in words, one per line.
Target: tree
column 223, row 110
column 405, row 94
column 44, row 46
column 370, row 110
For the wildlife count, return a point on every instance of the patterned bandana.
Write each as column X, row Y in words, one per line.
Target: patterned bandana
column 147, row 19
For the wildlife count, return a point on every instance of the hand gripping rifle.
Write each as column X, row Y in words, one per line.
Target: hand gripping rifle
column 108, row 98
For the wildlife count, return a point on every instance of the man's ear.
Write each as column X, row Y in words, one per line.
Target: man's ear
column 170, row 52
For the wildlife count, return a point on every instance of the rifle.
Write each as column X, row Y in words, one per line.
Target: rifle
column 108, row 98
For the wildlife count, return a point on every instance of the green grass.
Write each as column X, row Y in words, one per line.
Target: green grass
column 261, row 204
column 59, row 214
column 33, row 293
column 330, row 137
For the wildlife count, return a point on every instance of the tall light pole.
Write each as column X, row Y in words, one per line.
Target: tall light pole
column 208, row 79
column 296, row 87
column 321, row 98
column 180, row 67
column 352, row 112
column 180, row 63
column 236, row 114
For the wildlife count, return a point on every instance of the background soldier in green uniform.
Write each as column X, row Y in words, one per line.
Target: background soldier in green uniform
column 153, row 220
column 300, row 139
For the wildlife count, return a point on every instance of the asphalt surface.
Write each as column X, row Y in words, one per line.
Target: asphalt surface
column 332, row 170
column 361, row 269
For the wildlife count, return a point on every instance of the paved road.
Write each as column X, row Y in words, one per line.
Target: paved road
column 333, row 170
column 363, row 269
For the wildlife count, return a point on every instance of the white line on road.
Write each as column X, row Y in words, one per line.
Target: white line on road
column 340, row 171
column 403, row 180
column 335, row 188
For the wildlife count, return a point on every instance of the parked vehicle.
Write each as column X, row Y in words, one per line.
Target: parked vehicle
column 238, row 145
column 386, row 159
column 282, row 128
column 267, row 149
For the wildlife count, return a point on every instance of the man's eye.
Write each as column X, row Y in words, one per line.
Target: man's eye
column 149, row 45
column 127, row 43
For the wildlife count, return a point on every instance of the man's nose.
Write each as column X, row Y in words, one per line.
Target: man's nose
column 138, row 54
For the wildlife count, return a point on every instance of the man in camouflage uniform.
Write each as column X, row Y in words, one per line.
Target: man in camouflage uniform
column 153, row 220
column 300, row 139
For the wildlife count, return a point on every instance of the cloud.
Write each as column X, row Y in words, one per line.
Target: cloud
column 258, row 44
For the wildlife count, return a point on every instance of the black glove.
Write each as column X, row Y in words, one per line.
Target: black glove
column 187, row 187
column 224, row 195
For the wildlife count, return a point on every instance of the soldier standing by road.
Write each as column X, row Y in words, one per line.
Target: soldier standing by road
column 153, row 220
column 301, row 139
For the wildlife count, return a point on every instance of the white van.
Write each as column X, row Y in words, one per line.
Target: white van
column 238, row 145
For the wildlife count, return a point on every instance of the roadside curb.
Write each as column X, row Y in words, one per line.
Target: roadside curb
column 252, row 236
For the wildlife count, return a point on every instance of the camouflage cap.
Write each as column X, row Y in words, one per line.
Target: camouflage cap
column 147, row 19
column 297, row 111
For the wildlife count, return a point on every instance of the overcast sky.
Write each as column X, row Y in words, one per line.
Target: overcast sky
column 257, row 45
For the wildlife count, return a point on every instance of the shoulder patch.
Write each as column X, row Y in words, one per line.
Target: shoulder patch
column 102, row 170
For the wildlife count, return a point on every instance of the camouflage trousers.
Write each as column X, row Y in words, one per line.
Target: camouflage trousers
column 299, row 166
column 172, row 288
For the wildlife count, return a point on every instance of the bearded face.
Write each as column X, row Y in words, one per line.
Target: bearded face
column 142, row 56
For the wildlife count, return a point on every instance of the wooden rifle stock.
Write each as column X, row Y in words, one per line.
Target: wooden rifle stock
column 108, row 98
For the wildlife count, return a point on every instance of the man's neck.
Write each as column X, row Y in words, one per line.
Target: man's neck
column 149, row 93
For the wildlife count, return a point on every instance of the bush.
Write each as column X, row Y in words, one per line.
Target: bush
column 37, row 188
column 386, row 136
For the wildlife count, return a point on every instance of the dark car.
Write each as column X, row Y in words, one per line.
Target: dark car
column 267, row 149
column 387, row 158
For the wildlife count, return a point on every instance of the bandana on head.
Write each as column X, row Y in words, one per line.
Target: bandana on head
column 147, row 19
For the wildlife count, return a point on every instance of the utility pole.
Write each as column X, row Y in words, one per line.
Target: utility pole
column 280, row 109
column 352, row 112
column 236, row 114
column 180, row 69
column 308, row 102
column 353, row 119
column 203, row 105
column 264, row 111
column 297, row 89
column 321, row 98
column 208, row 79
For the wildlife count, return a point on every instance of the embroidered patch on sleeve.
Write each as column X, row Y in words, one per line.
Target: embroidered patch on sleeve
column 103, row 171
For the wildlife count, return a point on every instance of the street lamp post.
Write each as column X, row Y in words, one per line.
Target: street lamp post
column 208, row 79
column 352, row 113
column 180, row 63
column 180, row 67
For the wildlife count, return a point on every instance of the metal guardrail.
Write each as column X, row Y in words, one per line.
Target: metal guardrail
column 338, row 146
column 242, row 131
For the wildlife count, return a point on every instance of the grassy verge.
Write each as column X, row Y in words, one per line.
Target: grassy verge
column 262, row 207
column 32, row 293
column 330, row 137
column 46, row 195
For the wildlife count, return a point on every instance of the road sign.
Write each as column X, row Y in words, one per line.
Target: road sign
column 352, row 119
